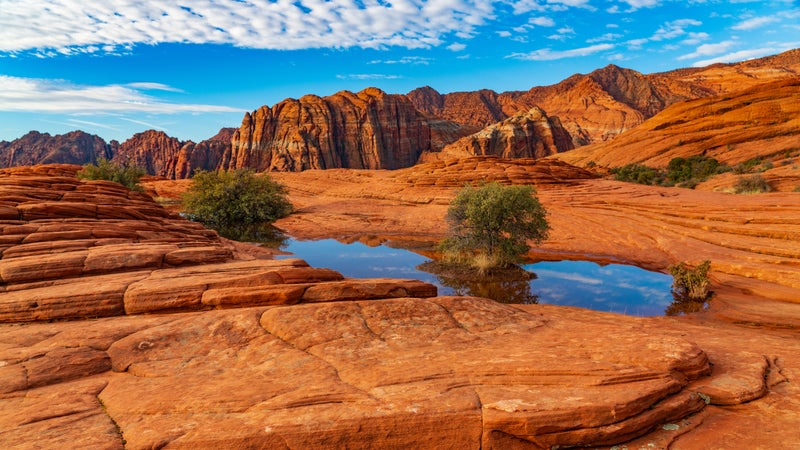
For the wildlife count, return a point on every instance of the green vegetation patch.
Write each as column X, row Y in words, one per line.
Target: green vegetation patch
column 127, row 175
column 683, row 172
column 229, row 199
column 491, row 225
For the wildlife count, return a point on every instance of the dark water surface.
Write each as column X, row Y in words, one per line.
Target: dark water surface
column 612, row 287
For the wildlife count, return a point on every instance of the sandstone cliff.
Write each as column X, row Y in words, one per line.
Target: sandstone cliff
column 760, row 122
column 528, row 134
column 168, row 157
column 366, row 130
column 75, row 147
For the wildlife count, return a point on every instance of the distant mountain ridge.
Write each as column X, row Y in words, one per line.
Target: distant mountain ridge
column 375, row 130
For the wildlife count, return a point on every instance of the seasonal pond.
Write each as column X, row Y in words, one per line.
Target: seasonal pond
column 611, row 287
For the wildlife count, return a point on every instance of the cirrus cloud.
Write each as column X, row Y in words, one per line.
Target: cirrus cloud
column 547, row 54
column 88, row 26
column 60, row 96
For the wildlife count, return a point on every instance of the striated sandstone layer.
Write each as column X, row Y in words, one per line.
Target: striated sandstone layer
column 760, row 122
column 227, row 359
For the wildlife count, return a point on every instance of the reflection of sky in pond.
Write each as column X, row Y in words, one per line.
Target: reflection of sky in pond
column 614, row 287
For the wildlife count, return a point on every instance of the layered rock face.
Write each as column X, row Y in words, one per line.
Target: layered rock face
column 75, row 147
column 530, row 134
column 759, row 122
column 367, row 130
column 226, row 358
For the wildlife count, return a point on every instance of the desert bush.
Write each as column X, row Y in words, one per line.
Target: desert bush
column 226, row 199
column 491, row 225
column 688, row 283
column 688, row 172
column 797, row 188
column 747, row 166
column 127, row 175
column 638, row 173
column 755, row 184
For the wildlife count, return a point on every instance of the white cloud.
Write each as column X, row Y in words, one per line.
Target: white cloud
column 60, row 96
column 504, row 33
column 755, row 22
column 456, row 47
column 549, row 55
column 747, row 54
column 86, row 26
column 148, row 86
column 367, row 76
column 673, row 29
column 542, row 22
column 709, row 49
column 636, row 4
column 695, row 38
column 604, row 38
column 409, row 60
column 525, row 6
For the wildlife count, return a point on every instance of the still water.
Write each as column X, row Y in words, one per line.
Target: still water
column 612, row 287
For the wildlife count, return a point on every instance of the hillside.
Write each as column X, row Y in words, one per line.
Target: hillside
column 372, row 129
column 759, row 122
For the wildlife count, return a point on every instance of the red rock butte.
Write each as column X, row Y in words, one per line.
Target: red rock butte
column 126, row 326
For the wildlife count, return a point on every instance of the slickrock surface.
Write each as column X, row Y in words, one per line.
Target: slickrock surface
column 78, row 249
column 226, row 358
column 761, row 122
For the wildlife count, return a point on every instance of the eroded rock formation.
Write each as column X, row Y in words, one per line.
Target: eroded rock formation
column 75, row 147
column 367, row 130
column 529, row 134
column 762, row 122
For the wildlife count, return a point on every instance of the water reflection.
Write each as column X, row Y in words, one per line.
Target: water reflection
column 261, row 233
column 612, row 287
column 683, row 304
column 506, row 286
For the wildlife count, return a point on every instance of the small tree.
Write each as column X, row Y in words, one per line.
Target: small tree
column 226, row 199
column 690, row 284
column 490, row 225
column 127, row 175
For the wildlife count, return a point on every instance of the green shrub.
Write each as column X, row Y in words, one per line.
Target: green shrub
column 127, row 175
column 691, row 284
column 638, row 173
column 490, row 225
column 688, row 172
column 755, row 184
column 747, row 166
column 797, row 188
column 226, row 199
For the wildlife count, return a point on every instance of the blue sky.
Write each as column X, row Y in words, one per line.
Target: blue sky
column 118, row 67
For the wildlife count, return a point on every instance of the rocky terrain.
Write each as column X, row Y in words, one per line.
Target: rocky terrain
column 759, row 122
column 167, row 335
column 366, row 130
column 371, row 129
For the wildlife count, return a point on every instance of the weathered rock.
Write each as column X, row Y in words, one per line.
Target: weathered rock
column 75, row 147
column 367, row 130
column 529, row 134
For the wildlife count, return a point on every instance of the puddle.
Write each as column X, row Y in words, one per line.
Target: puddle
column 613, row 287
